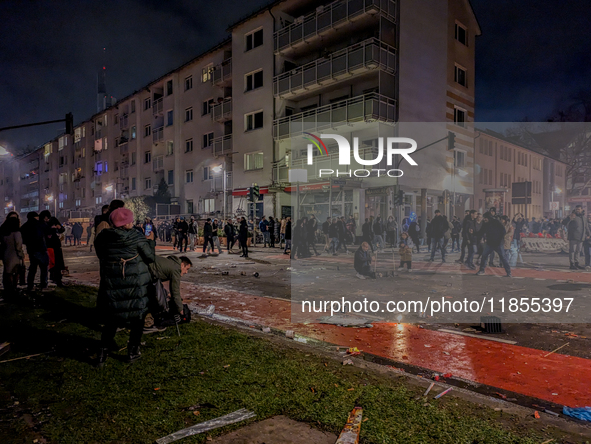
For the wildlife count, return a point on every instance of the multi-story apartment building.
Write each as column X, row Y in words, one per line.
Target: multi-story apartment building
column 235, row 115
column 500, row 162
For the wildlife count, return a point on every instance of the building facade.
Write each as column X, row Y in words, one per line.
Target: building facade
column 499, row 163
column 235, row 116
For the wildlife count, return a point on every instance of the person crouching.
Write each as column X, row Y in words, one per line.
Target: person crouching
column 363, row 262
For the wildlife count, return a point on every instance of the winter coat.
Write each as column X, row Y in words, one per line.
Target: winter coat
column 465, row 223
column 470, row 237
column 333, row 231
column 229, row 231
column 378, row 227
column 207, row 230
column 325, row 226
column 494, row 232
column 242, row 232
column 578, row 228
column 33, row 234
column 391, row 225
column 439, row 226
column 362, row 259
column 124, row 258
column 457, row 227
column 77, row 230
column 11, row 251
column 406, row 253
column 283, row 226
column 288, row 230
column 311, row 231
column 168, row 269
column 413, row 231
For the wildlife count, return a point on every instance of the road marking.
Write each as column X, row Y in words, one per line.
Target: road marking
column 461, row 333
column 539, row 279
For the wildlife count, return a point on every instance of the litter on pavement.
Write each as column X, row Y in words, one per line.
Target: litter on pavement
column 582, row 413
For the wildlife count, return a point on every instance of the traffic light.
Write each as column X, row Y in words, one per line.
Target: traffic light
column 255, row 193
column 399, row 198
column 451, row 140
column 69, row 124
column 250, row 194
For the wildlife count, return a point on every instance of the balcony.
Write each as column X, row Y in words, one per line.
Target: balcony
column 222, row 112
column 158, row 134
column 222, row 74
column 30, row 194
column 281, row 172
column 157, row 106
column 350, row 62
column 328, row 18
column 222, row 145
column 368, row 107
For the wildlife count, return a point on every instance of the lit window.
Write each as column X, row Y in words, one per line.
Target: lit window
column 169, row 147
column 253, row 161
column 206, row 73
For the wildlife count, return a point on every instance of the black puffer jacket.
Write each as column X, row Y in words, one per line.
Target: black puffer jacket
column 123, row 291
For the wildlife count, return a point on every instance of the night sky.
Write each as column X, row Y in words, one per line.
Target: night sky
column 531, row 55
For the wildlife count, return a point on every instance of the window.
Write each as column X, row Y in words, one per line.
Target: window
column 189, row 207
column 169, row 118
column 147, row 157
column 133, row 185
column 189, row 146
column 206, row 108
column 170, row 180
column 147, row 103
column 460, row 76
column 189, row 176
column 206, row 73
column 253, row 121
column 148, row 183
column 133, row 158
column 169, row 147
column 254, row 39
column 158, row 163
column 147, row 130
column 132, row 106
column 98, row 200
column 459, row 116
column 169, row 88
column 188, row 83
column 207, row 140
column 209, row 205
column 461, row 34
column 459, row 159
column 253, row 161
column 63, row 141
column 78, row 203
column 206, row 173
column 188, row 114
column 254, row 80
column 133, row 134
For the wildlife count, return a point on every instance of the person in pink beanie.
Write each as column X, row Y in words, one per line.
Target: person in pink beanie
column 122, row 301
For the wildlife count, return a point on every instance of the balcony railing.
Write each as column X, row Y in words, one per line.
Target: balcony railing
column 157, row 106
column 158, row 134
column 281, row 172
column 357, row 59
column 222, row 73
column 222, row 145
column 30, row 194
column 222, row 112
column 328, row 17
column 372, row 106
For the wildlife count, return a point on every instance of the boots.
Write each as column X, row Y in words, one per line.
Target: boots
column 102, row 356
column 133, row 353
